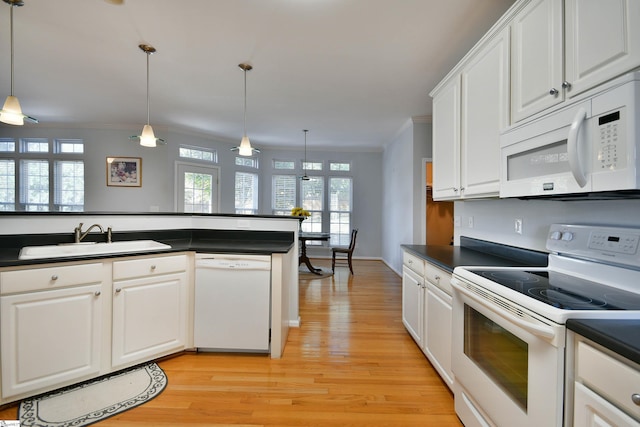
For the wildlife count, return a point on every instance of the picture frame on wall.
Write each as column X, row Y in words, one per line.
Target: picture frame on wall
column 124, row 171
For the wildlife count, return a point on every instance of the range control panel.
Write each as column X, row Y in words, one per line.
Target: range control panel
column 611, row 244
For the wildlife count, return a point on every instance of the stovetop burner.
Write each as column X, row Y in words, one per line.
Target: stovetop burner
column 563, row 291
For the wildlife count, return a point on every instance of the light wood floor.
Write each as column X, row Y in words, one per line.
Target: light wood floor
column 351, row 363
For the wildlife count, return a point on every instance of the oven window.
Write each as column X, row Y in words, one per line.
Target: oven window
column 499, row 353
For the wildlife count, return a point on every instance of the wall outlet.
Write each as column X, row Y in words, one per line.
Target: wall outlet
column 518, row 225
column 470, row 222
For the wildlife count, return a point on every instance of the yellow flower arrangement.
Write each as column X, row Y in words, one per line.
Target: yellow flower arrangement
column 297, row 211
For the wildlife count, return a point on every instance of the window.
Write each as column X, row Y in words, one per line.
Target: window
column 284, row 194
column 340, row 194
column 329, row 199
column 197, row 192
column 312, row 198
column 69, row 186
column 198, row 153
column 7, row 185
column 311, row 166
column 34, row 193
column 246, row 193
column 250, row 162
column 284, row 164
column 37, row 175
column 342, row 167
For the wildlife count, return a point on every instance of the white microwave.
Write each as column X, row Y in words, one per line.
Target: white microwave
column 590, row 146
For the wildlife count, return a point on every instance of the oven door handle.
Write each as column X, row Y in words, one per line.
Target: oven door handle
column 543, row 331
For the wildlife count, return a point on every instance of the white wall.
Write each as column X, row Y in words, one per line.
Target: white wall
column 494, row 219
column 402, row 190
column 157, row 191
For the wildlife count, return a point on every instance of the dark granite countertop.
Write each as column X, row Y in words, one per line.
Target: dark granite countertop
column 477, row 252
column 197, row 240
column 619, row 335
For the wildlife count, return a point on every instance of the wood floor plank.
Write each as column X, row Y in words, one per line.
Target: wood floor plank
column 351, row 363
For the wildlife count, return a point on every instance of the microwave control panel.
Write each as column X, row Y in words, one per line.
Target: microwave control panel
column 611, row 144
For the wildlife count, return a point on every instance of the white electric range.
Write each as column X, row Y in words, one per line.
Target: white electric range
column 508, row 323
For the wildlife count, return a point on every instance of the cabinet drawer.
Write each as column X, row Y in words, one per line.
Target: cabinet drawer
column 608, row 376
column 438, row 277
column 50, row 278
column 414, row 263
column 149, row 266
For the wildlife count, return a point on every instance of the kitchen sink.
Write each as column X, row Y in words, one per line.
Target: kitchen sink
column 89, row 248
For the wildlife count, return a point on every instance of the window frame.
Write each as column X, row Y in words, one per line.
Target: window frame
column 22, row 155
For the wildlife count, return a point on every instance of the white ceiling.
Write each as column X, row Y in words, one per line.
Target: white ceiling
column 351, row 71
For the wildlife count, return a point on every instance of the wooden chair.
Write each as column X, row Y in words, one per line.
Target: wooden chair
column 338, row 254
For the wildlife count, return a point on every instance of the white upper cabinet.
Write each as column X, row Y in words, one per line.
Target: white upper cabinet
column 563, row 48
column 446, row 141
column 485, row 113
column 536, row 58
column 469, row 112
column 602, row 41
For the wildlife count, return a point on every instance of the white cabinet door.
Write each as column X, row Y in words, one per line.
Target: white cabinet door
column 413, row 304
column 438, row 332
column 446, row 141
column 537, row 58
column 149, row 318
column 592, row 410
column 50, row 338
column 485, row 113
column 602, row 41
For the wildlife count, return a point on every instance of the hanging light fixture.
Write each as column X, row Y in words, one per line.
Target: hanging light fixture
column 11, row 112
column 147, row 137
column 245, row 148
column 304, row 164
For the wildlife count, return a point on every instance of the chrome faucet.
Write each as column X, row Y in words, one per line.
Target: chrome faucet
column 79, row 235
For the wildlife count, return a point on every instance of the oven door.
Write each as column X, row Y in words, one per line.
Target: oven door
column 508, row 363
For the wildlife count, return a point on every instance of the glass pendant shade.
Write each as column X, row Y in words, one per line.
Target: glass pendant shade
column 11, row 112
column 147, row 138
column 245, row 147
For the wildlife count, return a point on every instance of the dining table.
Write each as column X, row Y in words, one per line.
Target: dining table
column 304, row 237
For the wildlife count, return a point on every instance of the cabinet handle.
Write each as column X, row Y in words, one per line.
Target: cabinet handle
column 455, row 189
column 410, row 261
column 437, row 278
column 635, row 398
column 566, row 85
column 97, row 293
column 153, row 267
column 118, row 290
column 553, row 91
column 54, row 277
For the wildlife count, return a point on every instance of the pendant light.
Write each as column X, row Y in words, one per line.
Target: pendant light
column 11, row 112
column 147, row 137
column 304, row 164
column 245, row 148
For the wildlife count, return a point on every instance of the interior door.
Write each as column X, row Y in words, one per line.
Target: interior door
column 197, row 188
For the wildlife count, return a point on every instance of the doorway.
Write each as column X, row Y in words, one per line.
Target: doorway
column 439, row 215
column 196, row 188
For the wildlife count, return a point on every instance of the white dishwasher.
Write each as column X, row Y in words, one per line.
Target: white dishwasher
column 232, row 302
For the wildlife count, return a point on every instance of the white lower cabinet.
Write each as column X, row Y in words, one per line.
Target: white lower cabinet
column 51, row 332
column 413, row 304
column 438, row 332
column 427, row 312
column 61, row 323
column 150, row 305
column 606, row 388
column 438, row 320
